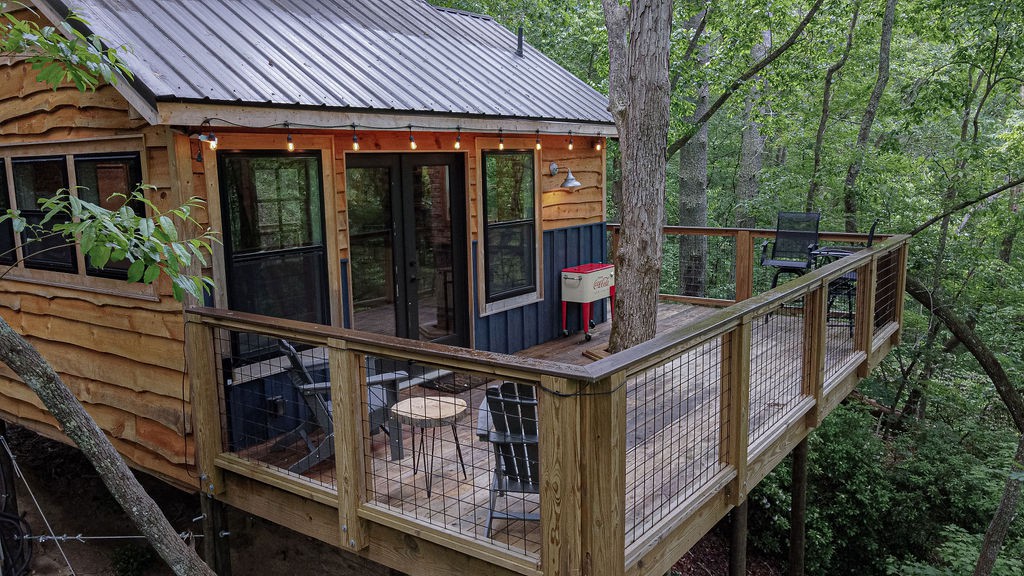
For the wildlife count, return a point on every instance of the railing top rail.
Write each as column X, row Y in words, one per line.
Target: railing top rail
column 632, row 360
column 757, row 233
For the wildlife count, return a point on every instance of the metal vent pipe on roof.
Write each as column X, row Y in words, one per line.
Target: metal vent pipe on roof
column 519, row 49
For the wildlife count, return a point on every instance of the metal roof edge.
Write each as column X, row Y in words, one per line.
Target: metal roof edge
column 258, row 115
column 138, row 95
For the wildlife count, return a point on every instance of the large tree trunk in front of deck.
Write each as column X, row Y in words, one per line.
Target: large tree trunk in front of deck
column 75, row 422
column 638, row 46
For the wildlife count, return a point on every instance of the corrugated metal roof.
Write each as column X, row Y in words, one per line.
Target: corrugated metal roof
column 367, row 55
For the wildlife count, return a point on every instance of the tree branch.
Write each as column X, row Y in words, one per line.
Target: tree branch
column 967, row 203
column 750, row 73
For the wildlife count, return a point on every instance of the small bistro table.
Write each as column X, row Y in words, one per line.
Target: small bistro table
column 431, row 412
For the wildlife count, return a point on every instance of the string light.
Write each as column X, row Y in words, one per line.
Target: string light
column 355, row 139
column 538, row 139
column 501, row 140
column 291, row 143
column 597, row 144
column 570, row 139
column 412, row 139
column 458, row 138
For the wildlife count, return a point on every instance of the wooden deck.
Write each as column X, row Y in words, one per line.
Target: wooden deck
column 672, row 433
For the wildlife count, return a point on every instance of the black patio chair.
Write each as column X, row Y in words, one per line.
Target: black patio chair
column 796, row 236
column 844, row 289
column 508, row 420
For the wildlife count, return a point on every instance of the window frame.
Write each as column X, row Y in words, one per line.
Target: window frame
column 85, row 277
column 495, row 303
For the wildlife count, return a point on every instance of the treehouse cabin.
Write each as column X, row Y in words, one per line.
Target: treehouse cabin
column 397, row 188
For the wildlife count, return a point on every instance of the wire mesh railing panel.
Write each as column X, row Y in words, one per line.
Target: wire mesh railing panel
column 776, row 365
column 454, row 449
column 840, row 320
column 673, row 435
column 887, row 290
column 699, row 266
column 277, row 403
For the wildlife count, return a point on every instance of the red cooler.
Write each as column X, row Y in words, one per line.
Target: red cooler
column 586, row 284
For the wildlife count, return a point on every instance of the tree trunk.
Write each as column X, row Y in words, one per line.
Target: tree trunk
column 1000, row 525
column 826, row 108
column 751, row 145
column 849, row 186
column 693, row 198
column 638, row 45
column 29, row 365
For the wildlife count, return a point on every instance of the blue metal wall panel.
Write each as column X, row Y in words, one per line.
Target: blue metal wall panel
column 520, row 328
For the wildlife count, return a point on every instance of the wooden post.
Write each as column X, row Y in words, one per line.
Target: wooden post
column 815, row 322
column 798, row 514
column 216, row 536
column 202, row 369
column 347, row 393
column 864, row 328
column 738, row 541
column 734, row 411
column 559, row 422
column 744, row 265
column 603, row 477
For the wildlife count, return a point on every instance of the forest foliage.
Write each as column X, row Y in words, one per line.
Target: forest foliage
column 908, row 482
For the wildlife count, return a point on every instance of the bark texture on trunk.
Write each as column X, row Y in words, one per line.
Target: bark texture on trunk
column 638, row 47
column 826, row 111
column 1000, row 525
column 751, row 145
column 693, row 197
column 75, row 422
column 853, row 170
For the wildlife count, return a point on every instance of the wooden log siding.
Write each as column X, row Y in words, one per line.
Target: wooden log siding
column 121, row 354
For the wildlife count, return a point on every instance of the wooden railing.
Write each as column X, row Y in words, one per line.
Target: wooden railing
column 641, row 452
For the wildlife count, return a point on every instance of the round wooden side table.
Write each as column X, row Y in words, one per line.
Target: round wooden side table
column 431, row 412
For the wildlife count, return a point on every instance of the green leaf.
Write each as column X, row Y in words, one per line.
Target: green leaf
column 168, row 227
column 146, row 227
column 136, row 270
column 152, row 273
column 99, row 255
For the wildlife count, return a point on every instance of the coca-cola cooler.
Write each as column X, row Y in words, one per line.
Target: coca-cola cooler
column 587, row 284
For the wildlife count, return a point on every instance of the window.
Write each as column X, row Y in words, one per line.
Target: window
column 35, row 179
column 510, row 232
column 106, row 180
column 97, row 178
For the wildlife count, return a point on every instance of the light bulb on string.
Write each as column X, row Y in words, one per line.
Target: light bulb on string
column 538, row 139
column 501, row 140
column 212, row 141
column 412, row 139
column 291, row 144
column 355, row 138
column 458, row 138
column 597, row 145
column 570, row 139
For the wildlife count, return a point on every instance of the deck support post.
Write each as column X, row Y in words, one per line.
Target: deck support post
column 206, row 410
column 738, row 540
column 798, row 514
column 560, row 461
column 603, row 477
column 348, row 397
column 216, row 541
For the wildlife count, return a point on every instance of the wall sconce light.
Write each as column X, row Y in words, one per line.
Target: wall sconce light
column 570, row 180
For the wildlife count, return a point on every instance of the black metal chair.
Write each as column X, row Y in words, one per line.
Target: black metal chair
column 508, row 420
column 844, row 288
column 796, row 237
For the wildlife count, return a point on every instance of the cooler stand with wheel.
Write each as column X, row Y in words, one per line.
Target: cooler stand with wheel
column 587, row 284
